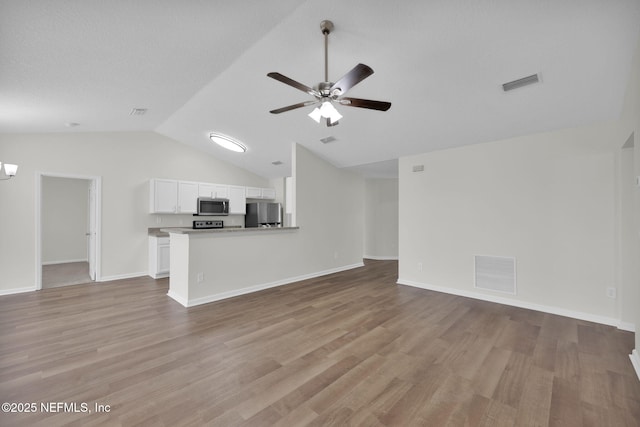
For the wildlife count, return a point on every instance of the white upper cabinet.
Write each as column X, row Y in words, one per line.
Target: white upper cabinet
column 181, row 197
column 215, row 191
column 269, row 193
column 254, row 193
column 187, row 197
column 163, row 196
column 237, row 200
column 261, row 193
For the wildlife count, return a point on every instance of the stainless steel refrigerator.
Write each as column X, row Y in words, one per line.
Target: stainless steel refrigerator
column 263, row 214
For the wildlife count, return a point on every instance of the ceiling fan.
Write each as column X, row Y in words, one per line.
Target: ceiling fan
column 326, row 92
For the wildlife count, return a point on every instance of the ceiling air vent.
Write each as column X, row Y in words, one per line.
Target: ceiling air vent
column 529, row 80
column 138, row 112
column 328, row 139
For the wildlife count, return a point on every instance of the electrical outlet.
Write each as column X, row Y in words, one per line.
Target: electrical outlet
column 158, row 219
column 611, row 292
column 335, row 255
column 419, row 266
column 200, row 277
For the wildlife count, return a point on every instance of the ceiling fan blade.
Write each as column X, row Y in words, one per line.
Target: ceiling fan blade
column 365, row 103
column 286, row 80
column 352, row 78
column 292, row 107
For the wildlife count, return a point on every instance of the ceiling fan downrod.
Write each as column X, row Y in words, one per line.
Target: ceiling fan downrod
column 326, row 27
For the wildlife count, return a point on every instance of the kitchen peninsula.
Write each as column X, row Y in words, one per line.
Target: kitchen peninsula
column 212, row 264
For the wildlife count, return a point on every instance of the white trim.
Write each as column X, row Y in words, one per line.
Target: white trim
column 256, row 288
column 635, row 361
column 122, row 276
column 66, row 261
column 39, row 175
column 16, row 290
column 523, row 304
column 183, row 301
column 627, row 326
column 381, row 257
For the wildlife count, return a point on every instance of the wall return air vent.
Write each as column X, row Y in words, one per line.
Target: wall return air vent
column 525, row 81
column 495, row 273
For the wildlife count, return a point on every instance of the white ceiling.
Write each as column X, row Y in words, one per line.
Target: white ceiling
column 200, row 66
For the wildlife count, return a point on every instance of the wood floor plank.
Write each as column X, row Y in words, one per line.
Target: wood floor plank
column 535, row 403
column 351, row 348
column 513, row 379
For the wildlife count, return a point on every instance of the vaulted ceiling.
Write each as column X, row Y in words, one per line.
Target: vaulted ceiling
column 200, row 66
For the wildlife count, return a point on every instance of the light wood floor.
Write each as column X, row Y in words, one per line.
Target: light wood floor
column 352, row 348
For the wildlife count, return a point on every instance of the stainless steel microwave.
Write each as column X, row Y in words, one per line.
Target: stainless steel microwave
column 209, row 206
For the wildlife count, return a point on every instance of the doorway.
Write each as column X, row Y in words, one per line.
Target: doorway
column 67, row 230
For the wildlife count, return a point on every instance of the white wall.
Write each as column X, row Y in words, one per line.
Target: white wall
column 329, row 210
column 64, row 219
column 125, row 161
column 546, row 199
column 381, row 218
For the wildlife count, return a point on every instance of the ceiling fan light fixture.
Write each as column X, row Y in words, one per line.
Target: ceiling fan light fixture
column 326, row 110
column 10, row 169
column 227, row 142
column 316, row 114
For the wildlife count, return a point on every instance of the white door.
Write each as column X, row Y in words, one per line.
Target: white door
column 91, row 233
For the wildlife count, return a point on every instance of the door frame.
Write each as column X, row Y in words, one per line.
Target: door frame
column 95, row 209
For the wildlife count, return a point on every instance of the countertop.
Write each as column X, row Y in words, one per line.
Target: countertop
column 156, row 232
column 179, row 230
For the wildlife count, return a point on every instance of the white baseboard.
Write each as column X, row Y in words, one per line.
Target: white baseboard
column 381, row 258
column 626, row 326
column 65, row 261
column 635, row 361
column 120, row 276
column 16, row 290
column 178, row 298
column 523, row 304
column 260, row 287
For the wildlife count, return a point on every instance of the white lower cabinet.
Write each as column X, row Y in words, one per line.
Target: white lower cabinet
column 159, row 249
